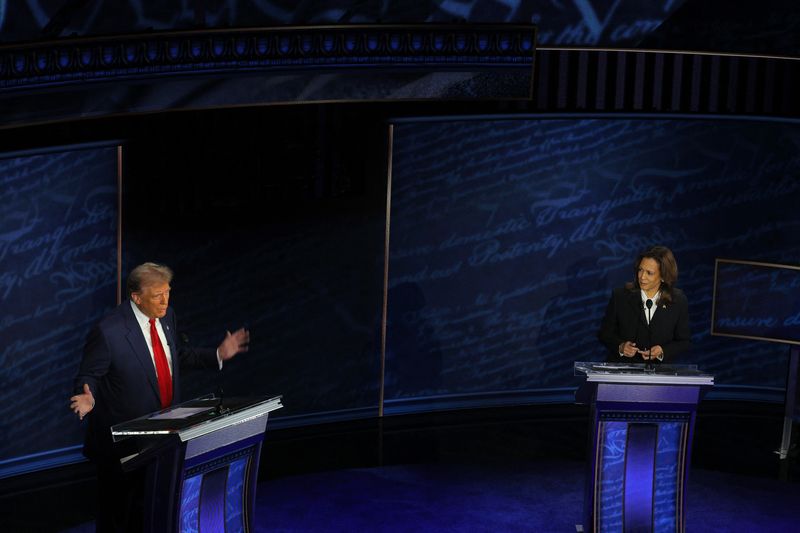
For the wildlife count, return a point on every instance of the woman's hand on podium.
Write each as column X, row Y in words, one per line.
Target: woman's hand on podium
column 628, row 349
column 656, row 352
column 81, row 404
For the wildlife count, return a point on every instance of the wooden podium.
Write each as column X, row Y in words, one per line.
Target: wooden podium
column 201, row 459
column 642, row 420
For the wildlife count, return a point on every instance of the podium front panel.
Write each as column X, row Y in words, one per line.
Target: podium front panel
column 642, row 423
column 622, row 481
column 215, row 492
column 650, row 394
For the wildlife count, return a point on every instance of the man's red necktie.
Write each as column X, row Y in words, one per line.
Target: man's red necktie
column 162, row 367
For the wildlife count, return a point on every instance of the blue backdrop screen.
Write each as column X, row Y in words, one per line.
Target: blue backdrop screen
column 308, row 292
column 757, row 300
column 507, row 237
column 58, row 244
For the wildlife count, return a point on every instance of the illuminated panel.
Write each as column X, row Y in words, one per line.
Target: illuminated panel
column 190, row 503
column 509, row 234
column 235, row 495
column 757, row 301
column 639, row 472
column 613, row 436
column 58, row 277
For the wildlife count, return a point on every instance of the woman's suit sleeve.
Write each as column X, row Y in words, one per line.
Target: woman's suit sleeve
column 681, row 335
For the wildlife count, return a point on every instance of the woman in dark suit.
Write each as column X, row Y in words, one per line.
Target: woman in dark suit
column 648, row 319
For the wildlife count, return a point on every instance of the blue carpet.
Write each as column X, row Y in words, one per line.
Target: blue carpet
column 523, row 496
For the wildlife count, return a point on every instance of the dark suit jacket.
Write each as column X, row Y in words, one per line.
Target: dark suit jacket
column 625, row 321
column 119, row 370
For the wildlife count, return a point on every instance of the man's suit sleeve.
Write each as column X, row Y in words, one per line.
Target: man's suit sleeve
column 191, row 357
column 95, row 362
column 609, row 332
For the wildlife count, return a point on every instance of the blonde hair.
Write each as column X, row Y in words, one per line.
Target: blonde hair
column 147, row 273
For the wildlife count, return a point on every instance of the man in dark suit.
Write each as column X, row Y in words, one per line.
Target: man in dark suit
column 131, row 366
column 648, row 319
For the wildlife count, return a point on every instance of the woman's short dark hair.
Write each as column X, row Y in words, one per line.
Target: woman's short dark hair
column 667, row 266
column 147, row 273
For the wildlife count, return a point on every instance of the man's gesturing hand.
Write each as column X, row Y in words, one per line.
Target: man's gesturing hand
column 234, row 343
column 81, row 404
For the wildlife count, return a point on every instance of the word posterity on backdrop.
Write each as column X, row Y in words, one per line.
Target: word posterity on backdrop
column 58, row 276
column 507, row 237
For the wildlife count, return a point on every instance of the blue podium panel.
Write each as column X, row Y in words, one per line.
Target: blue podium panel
column 639, row 467
column 190, row 504
column 215, row 493
column 642, row 423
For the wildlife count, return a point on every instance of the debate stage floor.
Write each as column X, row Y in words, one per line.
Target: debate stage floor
column 511, row 497
column 509, row 469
